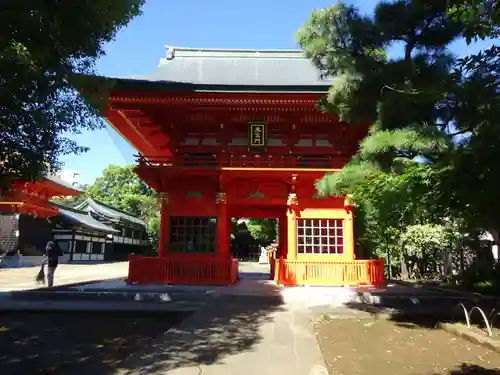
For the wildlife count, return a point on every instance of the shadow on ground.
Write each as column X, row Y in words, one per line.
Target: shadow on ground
column 466, row 369
column 228, row 327
column 427, row 312
column 103, row 343
column 75, row 343
column 231, row 324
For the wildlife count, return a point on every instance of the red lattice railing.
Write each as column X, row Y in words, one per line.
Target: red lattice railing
column 182, row 270
column 347, row 273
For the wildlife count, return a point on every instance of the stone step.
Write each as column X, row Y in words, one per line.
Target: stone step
column 98, row 306
column 410, row 300
column 424, row 293
column 109, row 296
column 413, row 314
column 152, row 288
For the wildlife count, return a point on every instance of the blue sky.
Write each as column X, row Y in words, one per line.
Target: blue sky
column 257, row 24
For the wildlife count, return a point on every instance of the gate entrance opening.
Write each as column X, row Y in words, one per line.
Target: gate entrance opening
column 250, row 235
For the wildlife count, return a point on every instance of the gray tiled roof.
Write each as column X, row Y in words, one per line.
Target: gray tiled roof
column 83, row 218
column 236, row 67
column 110, row 213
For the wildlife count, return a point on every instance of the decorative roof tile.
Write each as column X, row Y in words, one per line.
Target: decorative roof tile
column 83, row 218
column 228, row 67
column 110, row 213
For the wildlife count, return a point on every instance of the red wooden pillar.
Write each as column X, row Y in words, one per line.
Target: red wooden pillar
column 230, row 231
column 291, row 227
column 283, row 235
column 164, row 227
column 223, row 227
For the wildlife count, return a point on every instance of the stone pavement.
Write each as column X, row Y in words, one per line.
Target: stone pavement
column 253, row 327
column 12, row 279
column 232, row 339
column 245, row 330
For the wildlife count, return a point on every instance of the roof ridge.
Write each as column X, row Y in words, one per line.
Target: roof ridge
column 64, row 207
column 113, row 208
column 263, row 50
column 93, row 222
column 173, row 52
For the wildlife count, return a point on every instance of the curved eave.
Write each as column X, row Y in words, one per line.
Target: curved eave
column 86, row 222
column 123, row 84
column 113, row 215
column 97, row 84
column 96, row 228
column 124, row 222
column 60, row 189
column 27, row 208
column 53, row 187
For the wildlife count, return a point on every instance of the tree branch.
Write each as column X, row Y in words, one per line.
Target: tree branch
column 468, row 130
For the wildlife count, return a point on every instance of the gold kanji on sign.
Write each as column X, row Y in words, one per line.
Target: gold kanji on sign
column 258, row 134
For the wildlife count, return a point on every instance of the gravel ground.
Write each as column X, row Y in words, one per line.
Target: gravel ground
column 75, row 343
column 353, row 346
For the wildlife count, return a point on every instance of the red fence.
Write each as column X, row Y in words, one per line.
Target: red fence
column 214, row 271
column 348, row 273
column 174, row 270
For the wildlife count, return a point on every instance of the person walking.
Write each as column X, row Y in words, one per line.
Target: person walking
column 52, row 252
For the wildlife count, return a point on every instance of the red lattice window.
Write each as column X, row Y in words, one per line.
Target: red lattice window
column 320, row 236
column 192, row 234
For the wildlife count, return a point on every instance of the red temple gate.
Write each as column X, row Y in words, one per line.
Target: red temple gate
column 225, row 134
column 33, row 197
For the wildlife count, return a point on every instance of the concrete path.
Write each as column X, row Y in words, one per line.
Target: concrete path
column 247, row 334
column 12, row 279
column 246, row 329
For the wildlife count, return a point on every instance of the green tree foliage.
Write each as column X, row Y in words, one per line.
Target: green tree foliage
column 44, row 47
column 430, row 150
column 424, row 244
column 120, row 187
column 481, row 18
column 263, row 230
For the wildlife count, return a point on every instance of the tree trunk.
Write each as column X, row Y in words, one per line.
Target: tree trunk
column 447, row 263
column 496, row 243
column 422, row 267
column 404, row 267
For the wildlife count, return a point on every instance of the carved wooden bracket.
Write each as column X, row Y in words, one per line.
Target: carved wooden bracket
column 294, row 183
column 293, row 204
column 292, row 200
column 164, row 197
column 220, row 198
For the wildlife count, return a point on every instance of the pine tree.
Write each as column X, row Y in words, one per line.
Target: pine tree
column 432, row 117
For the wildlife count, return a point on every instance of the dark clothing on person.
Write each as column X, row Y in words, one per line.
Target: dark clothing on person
column 53, row 252
column 11, row 253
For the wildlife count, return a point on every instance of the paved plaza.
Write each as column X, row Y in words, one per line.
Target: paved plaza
column 14, row 279
column 245, row 328
column 252, row 327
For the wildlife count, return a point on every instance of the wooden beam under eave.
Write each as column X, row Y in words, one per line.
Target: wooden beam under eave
column 215, row 97
column 154, row 135
column 134, row 114
column 132, row 133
